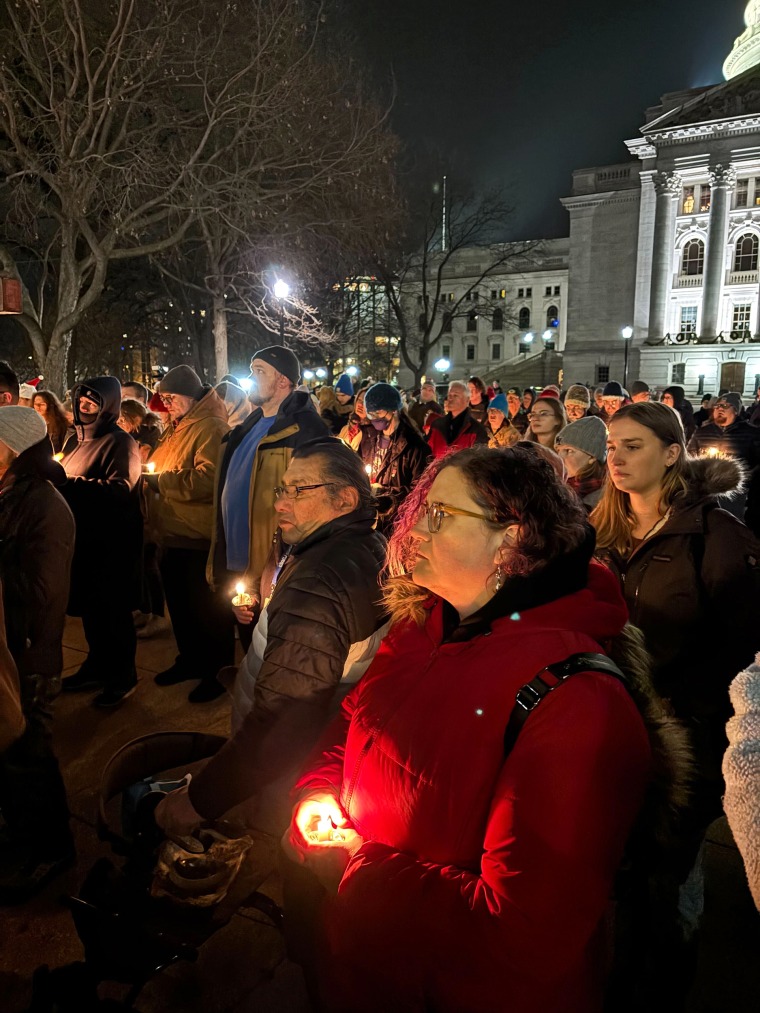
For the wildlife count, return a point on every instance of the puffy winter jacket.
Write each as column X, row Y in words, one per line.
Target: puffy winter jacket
column 186, row 458
column 325, row 607
column 449, row 433
column 741, row 767
column 482, row 884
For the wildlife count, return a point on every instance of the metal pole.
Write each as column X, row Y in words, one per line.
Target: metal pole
column 625, row 363
column 282, row 324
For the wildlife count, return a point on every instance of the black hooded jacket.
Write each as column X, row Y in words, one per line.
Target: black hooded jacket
column 36, row 548
column 103, row 469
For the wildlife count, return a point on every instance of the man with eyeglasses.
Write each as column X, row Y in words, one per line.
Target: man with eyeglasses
column 457, row 429
column 393, row 451
column 254, row 458
column 728, row 434
column 103, row 469
column 322, row 622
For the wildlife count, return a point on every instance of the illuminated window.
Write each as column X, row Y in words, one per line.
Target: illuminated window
column 746, row 253
column 498, row 320
column 704, row 197
column 523, row 319
column 502, row 293
column 740, row 317
column 693, row 257
column 688, row 320
column 742, row 193
column 687, row 201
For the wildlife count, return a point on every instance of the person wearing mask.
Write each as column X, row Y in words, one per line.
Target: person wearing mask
column 320, row 628
column 236, row 402
column 351, row 433
column 457, row 429
column 9, row 385
column 36, row 548
column 640, row 391
column 546, row 419
column 103, row 471
column 582, row 445
column 393, row 451
column 179, row 497
column 690, row 573
column 478, row 399
column 518, row 417
column 577, row 402
column 50, row 408
column 728, row 435
column 704, row 414
column 458, row 855
column 675, row 397
column 423, row 411
column 501, row 432
column 613, row 397
column 254, row 458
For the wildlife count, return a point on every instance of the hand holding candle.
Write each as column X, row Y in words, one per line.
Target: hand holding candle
column 242, row 598
column 149, row 468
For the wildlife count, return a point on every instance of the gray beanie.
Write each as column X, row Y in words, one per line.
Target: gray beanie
column 588, row 434
column 382, row 397
column 182, row 380
column 21, row 427
column 578, row 394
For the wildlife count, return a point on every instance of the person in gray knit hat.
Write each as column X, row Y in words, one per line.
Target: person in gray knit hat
column 577, row 402
column 583, row 447
column 182, row 380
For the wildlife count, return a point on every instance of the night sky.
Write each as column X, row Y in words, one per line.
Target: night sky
column 522, row 93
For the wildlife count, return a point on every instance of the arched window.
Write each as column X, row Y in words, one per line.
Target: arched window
column 746, row 253
column 693, row 257
column 552, row 317
column 523, row 319
column 498, row 320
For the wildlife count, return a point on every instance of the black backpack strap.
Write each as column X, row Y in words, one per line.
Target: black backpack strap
column 548, row 679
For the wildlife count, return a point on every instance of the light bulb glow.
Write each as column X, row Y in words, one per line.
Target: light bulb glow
column 281, row 289
column 442, row 365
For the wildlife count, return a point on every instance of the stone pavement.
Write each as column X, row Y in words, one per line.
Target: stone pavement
column 242, row 967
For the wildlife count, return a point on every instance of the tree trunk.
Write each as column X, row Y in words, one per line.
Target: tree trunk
column 56, row 362
column 219, row 311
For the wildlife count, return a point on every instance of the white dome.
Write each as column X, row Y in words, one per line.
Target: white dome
column 746, row 51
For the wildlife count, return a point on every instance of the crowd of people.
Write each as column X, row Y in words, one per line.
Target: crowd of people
column 414, row 575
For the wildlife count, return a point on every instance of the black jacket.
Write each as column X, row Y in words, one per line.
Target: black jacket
column 326, row 599
column 103, row 469
column 405, row 459
column 693, row 588
column 741, row 441
column 36, row 548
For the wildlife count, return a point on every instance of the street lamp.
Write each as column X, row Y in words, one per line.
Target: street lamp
column 352, row 371
column 627, row 333
column 442, row 365
column 308, row 374
column 321, row 373
column 281, row 291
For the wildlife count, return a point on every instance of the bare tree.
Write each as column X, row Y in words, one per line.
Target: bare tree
column 125, row 125
column 417, row 279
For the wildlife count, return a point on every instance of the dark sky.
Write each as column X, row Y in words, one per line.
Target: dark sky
column 522, row 93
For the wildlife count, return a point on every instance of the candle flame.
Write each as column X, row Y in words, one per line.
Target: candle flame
column 240, row 587
column 712, row 451
column 151, row 467
column 324, row 826
column 57, row 457
column 368, row 468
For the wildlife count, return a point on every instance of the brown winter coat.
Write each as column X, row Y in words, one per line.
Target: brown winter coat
column 505, row 436
column 186, row 458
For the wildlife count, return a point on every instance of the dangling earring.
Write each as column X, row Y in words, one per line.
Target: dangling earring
column 499, row 577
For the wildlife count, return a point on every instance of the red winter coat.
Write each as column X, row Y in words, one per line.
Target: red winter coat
column 472, row 432
column 482, row 885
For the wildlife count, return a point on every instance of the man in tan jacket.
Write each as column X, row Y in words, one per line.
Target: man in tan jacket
column 179, row 497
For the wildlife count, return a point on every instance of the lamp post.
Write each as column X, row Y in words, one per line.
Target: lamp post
column 627, row 333
column 281, row 291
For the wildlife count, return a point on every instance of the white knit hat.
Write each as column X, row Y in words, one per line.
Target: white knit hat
column 21, row 428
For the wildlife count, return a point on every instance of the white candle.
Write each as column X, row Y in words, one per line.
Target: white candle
column 242, row 598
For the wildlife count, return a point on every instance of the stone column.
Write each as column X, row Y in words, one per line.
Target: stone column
column 667, row 186
column 722, row 179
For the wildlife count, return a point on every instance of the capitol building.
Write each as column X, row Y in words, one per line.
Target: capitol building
column 665, row 244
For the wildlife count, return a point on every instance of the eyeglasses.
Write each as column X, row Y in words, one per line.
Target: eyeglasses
column 294, row 491
column 723, row 404
column 437, row 511
column 168, row 399
column 540, row 415
column 382, row 414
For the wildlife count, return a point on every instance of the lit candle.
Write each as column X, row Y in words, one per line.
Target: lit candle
column 151, row 467
column 368, row 468
column 325, row 832
column 242, row 598
column 712, row 451
column 58, row 457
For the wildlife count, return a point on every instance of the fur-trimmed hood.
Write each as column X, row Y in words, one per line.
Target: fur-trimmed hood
column 708, row 477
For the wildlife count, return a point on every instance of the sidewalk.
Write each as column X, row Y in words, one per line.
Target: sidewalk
column 242, row 967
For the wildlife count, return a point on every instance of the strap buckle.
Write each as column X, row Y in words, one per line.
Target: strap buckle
column 528, row 697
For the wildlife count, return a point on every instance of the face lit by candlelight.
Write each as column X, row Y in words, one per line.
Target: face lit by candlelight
column 88, row 410
column 299, row 516
column 575, row 410
column 637, row 459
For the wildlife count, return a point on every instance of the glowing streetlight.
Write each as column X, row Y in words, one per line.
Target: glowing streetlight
column 627, row 333
column 547, row 335
column 321, row 373
column 308, row 374
column 442, row 365
column 528, row 338
column 245, row 382
column 352, row 371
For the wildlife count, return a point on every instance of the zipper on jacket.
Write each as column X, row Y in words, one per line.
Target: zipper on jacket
column 636, row 592
column 355, row 775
